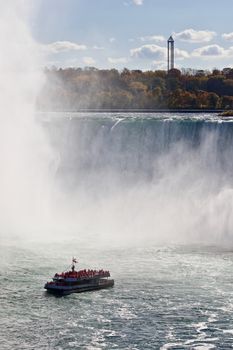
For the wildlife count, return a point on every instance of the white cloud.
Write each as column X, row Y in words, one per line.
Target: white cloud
column 211, row 50
column 157, row 38
column 117, row 60
column 89, row 61
column 62, row 46
column 156, row 53
column 195, row 36
column 138, row 2
column 111, row 40
column 230, row 51
column 228, row 36
column 159, row 65
column 96, row 47
column 181, row 54
column 152, row 51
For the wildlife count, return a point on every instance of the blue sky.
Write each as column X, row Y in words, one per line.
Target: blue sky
column 133, row 33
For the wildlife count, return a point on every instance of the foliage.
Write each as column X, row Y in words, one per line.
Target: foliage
column 76, row 88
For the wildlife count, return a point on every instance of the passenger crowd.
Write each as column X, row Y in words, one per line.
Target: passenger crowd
column 83, row 274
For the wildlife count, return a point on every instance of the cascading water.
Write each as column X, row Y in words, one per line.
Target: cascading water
column 150, row 178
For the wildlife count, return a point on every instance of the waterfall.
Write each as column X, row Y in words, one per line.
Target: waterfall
column 147, row 178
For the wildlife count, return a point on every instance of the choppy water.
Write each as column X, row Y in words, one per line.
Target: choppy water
column 164, row 298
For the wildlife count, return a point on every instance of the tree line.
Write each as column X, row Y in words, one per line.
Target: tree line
column 76, row 88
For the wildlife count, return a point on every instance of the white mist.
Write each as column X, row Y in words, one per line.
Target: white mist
column 24, row 151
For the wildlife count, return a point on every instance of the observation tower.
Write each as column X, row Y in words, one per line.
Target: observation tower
column 170, row 53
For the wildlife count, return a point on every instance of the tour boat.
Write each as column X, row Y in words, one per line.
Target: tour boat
column 74, row 281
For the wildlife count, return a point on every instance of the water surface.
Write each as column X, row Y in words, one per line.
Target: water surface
column 174, row 297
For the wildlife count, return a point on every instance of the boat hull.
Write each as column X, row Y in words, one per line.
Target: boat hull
column 78, row 289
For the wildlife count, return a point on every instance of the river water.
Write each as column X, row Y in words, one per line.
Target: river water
column 148, row 197
column 177, row 297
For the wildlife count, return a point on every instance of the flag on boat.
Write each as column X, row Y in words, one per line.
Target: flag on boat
column 74, row 260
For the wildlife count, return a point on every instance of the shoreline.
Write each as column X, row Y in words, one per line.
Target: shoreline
column 136, row 110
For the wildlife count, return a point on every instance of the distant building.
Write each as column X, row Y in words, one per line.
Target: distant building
column 170, row 53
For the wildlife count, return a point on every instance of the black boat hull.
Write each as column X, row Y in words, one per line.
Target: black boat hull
column 79, row 289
